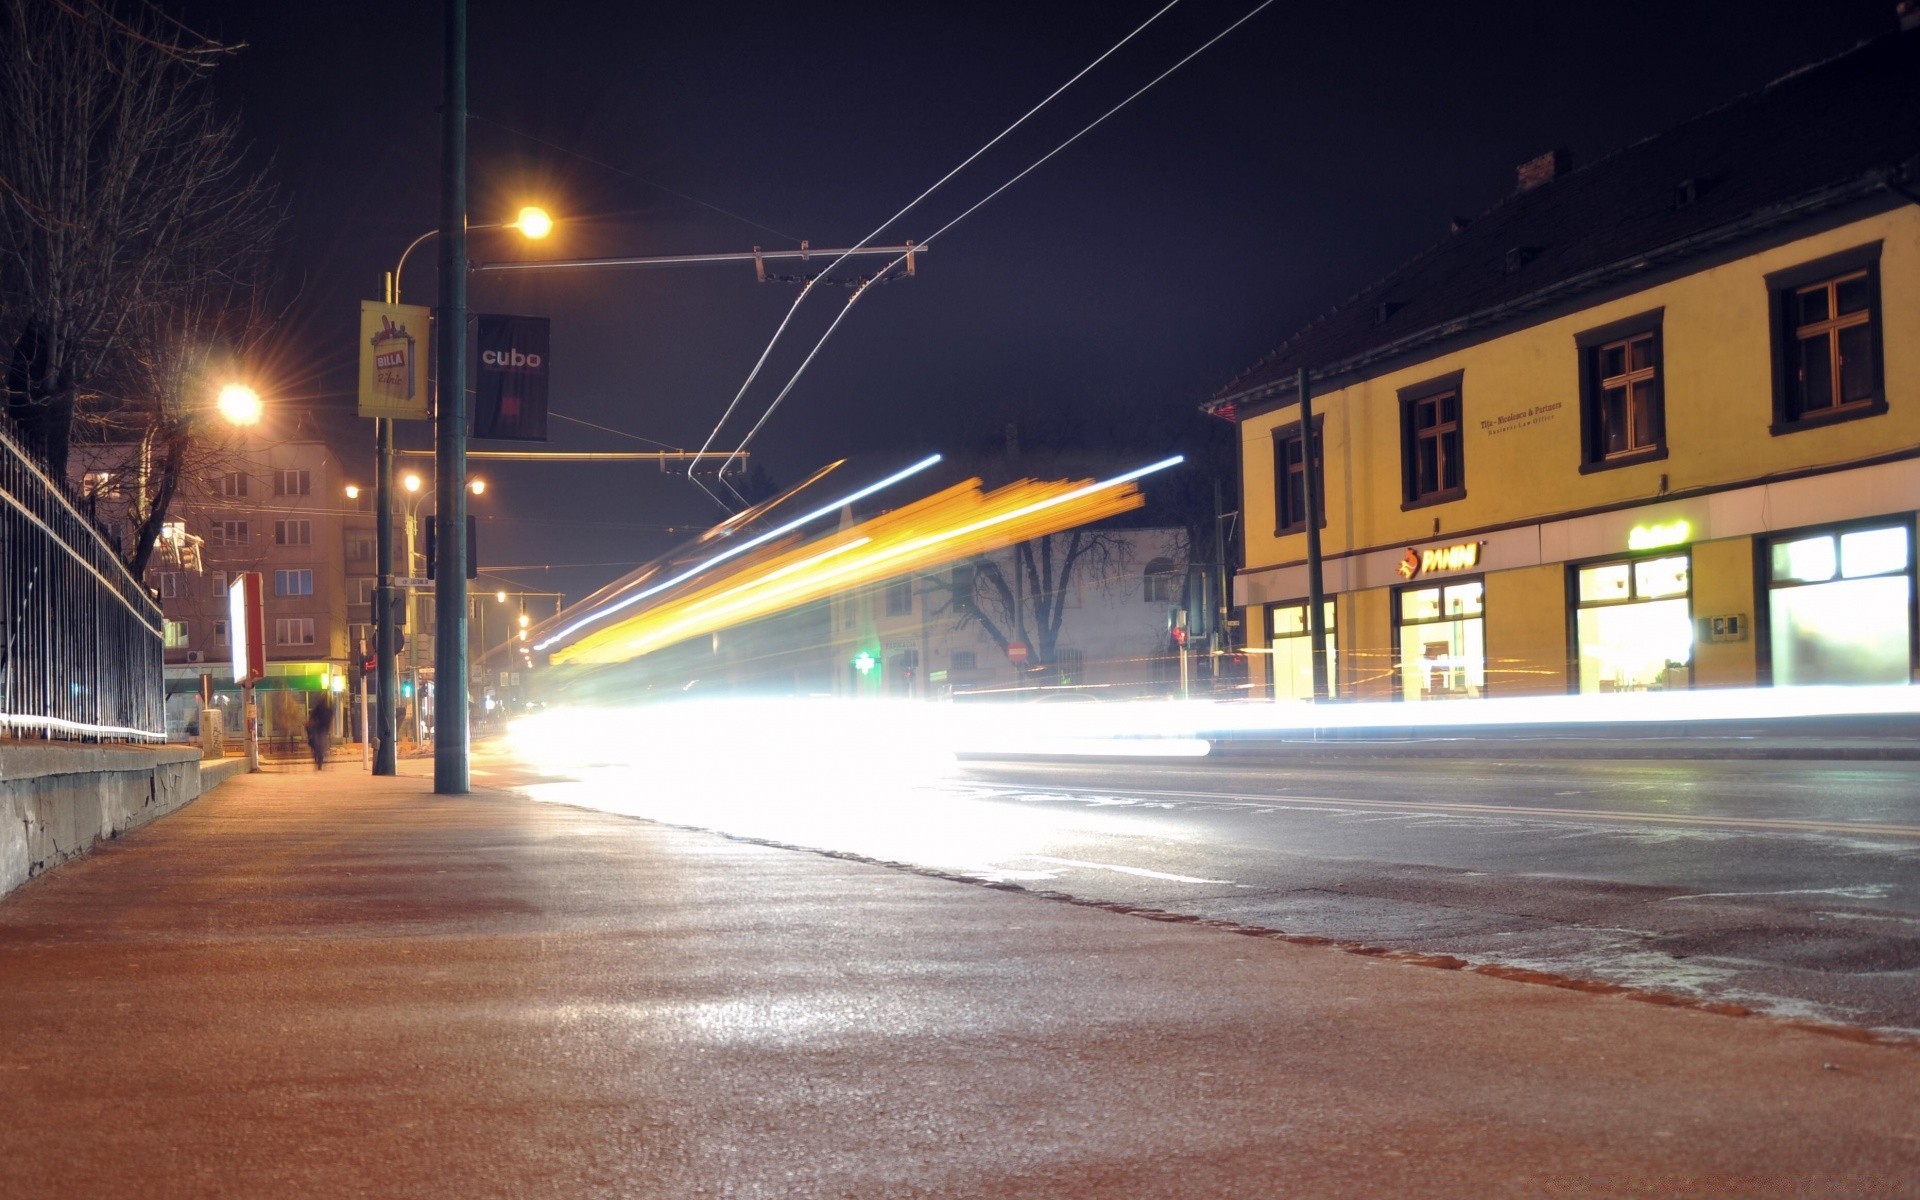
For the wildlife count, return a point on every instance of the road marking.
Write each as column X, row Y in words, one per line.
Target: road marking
column 1780, row 824
column 1142, row 871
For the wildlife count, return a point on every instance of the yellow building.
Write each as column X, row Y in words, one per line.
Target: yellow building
column 1650, row 424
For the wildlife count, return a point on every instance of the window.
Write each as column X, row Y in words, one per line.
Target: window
column 1431, row 444
column 176, row 635
column 233, row 483
column 169, row 584
column 293, row 583
column 292, row 483
column 963, row 660
column 360, row 548
column 1622, row 396
column 293, row 533
column 1290, row 478
column 1633, row 624
column 964, row 580
column 360, row 590
column 1162, row 583
column 219, row 633
column 1291, row 643
column 1442, row 642
column 1826, row 340
column 1839, row 606
column 900, row 597
column 219, row 584
column 293, row 631
column 231, row 533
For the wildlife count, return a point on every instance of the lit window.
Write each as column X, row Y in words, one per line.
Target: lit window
column 176, row 635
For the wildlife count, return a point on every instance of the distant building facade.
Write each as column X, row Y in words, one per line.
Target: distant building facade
column 1650, row 424
column 273, row 506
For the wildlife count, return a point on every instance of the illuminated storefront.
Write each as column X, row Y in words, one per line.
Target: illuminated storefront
column 1633, row 624
column 1441, row 640
column 1840, row 605
column 1292, row 658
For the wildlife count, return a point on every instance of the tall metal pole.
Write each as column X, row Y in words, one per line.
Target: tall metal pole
column 1316, row 585
column 450, row 765
column 387, row 689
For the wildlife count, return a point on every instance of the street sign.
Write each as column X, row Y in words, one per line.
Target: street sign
column 412, row 581
column 1016, row 653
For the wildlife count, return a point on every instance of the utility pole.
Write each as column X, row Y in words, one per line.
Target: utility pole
column 1316, row 584
column 450, row 744
column 386, row 756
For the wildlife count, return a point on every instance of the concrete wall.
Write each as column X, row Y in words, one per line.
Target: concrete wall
column 57, row 800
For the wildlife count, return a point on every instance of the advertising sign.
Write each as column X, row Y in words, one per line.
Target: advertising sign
column 393, row 360
column 246, row 626
column 510, row 378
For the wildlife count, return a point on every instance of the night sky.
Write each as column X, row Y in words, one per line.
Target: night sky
column 1110, row 292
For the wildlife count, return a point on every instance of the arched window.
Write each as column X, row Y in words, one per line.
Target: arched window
column 1162, row 582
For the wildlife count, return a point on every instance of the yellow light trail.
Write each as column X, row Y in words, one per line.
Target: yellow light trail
column 957, row 523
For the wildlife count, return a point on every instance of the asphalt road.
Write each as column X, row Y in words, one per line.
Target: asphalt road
column 1791, row 888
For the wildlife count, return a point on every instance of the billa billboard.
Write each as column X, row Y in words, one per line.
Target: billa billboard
column 510, row 378
column 393, row 360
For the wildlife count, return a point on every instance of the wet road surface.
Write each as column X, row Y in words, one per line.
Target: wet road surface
column 1786, row 887
column 330, row 986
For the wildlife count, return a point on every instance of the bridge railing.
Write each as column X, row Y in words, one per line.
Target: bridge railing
column 80, row 638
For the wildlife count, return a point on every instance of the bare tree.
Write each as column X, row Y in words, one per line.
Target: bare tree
column 133, row 249
column 1030, row 606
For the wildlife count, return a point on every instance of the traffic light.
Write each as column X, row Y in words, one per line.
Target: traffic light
column 406, row 689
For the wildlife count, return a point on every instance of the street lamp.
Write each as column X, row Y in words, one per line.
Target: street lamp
column 532, row 223
column 240, row 404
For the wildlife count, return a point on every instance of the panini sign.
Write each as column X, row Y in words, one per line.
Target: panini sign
column 1460, row 557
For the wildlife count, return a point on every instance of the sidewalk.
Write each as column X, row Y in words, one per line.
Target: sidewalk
column 332, row 985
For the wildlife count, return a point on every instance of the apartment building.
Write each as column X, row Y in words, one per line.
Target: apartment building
column 1649, row 424
column 263, row 502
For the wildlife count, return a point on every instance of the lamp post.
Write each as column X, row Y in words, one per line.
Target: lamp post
column 533, row 223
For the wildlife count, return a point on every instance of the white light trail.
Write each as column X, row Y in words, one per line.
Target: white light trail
column 742, row 548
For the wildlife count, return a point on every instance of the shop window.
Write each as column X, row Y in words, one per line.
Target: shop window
column 1432, row 463
column 1441, row 641
column 1291, row 644
column 1826, row 340
column 1633, row 624
column 1622, row 393
column 1839, row 606
column 1290, row 478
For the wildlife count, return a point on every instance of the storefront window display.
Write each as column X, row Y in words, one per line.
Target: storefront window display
column 1840, row 606
column 1291, row 643
column 1633, row 624
column 1442, row 641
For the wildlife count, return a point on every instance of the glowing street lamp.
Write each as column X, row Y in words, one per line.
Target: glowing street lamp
column 239, row 404
column 533, row 223
column 353, row 491
column 477, row 486
column 410, row 481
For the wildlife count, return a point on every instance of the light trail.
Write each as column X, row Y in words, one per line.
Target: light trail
column 946, row 527
column 742, row 548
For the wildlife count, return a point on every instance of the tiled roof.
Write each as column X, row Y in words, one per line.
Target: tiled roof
column 1828, row 135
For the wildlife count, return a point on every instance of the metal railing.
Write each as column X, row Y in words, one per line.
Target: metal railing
column 80, row 638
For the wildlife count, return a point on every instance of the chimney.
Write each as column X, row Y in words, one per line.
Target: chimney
column 1544, row 169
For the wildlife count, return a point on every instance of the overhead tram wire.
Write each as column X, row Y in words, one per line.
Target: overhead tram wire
column 981, row 203
column 911, row 205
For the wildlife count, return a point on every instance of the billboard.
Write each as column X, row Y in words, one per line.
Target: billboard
column 510, row 378
column 246, row 626
column 393, row 360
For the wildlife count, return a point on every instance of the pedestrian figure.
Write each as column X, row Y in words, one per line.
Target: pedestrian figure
column 320, row 730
